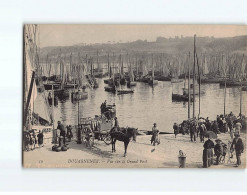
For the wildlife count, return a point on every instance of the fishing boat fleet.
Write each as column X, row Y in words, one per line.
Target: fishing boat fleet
column 70, row 75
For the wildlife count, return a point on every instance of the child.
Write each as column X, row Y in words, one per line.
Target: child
column 218, row 150
column 225, row 149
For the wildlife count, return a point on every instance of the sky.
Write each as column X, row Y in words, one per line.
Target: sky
column 72, row 34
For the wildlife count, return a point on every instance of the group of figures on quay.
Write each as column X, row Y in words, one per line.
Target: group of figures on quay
column 219, row 142
column 215, row 151
column 202, row 128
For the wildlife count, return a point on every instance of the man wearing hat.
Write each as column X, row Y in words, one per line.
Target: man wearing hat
column 116, row 122
column 193, row 131
column 238, row 145
column 218, row 150
column 202, row 131
column 61, row 127
column 208, row 153
column 155, row 135
column 176, row 129
column 116, row 125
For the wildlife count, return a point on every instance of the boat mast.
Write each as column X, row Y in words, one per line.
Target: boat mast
column 122, row 68
column 194, row 67
column 240, row 98
column 24, row 78
column 189, row 86
column 113, row 68
column 199, row 80
column 241, row 75
column 136, row 66
column 108, row 64
column 225, row 73
column 98, row 59
column 152, row 69
column 54, row 139
column 78, row 128
column 185, row 75
column 71, row 69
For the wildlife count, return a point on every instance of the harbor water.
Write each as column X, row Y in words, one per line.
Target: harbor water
column 147, row 105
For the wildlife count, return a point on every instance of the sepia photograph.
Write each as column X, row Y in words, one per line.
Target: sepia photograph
column 134, row 96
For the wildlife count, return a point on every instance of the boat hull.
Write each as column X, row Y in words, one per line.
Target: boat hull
column 62, row 93
column 108, row 81
column 176, row 80
column 124, row 91
column 181, row 98
column 233, row 83
column 244, row 88
column 49, row 86
column 186, row 92
column 131, row 84
column 110, row 89
column 153, row 82
column 79, row 95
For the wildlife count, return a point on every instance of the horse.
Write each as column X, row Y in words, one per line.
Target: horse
column 124, row 135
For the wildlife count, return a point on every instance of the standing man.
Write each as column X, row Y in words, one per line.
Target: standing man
column 238, row 145
column 202, row 130
column 215, row 128
column 116, row 122
column 238, row 128
column 208, row 153
column 193, row 131
column 61, row 127
column 208, row 124
column 116, row 125
column 155, row 135
column 176, row 129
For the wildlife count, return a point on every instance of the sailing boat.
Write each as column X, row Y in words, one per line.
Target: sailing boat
column 109, row 81
column 152, row 82
column 123, row 91
column 197, row 89
column 98, row 72
column 80, row 93
column 122, row 77
column 175, row 78
column 131, row 81
column 93, row 82
column 184, row 97
column 62, row 93
column 32, row 121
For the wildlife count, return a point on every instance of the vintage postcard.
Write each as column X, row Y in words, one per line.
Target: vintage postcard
column 134, row 96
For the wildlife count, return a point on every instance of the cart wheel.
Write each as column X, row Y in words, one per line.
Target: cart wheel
column 107, row 138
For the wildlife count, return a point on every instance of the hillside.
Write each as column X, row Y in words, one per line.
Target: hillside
column 161, row 45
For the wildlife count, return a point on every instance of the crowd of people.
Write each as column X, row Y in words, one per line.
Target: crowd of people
column 198, row 127
column 63, row 134
column 32, row 139
column 220, row 149
column 201, row 128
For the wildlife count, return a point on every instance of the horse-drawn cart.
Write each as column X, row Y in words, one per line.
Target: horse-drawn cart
column 98, row 127
column 95, row 128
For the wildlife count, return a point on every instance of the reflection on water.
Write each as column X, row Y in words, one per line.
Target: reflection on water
column 148, row 105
